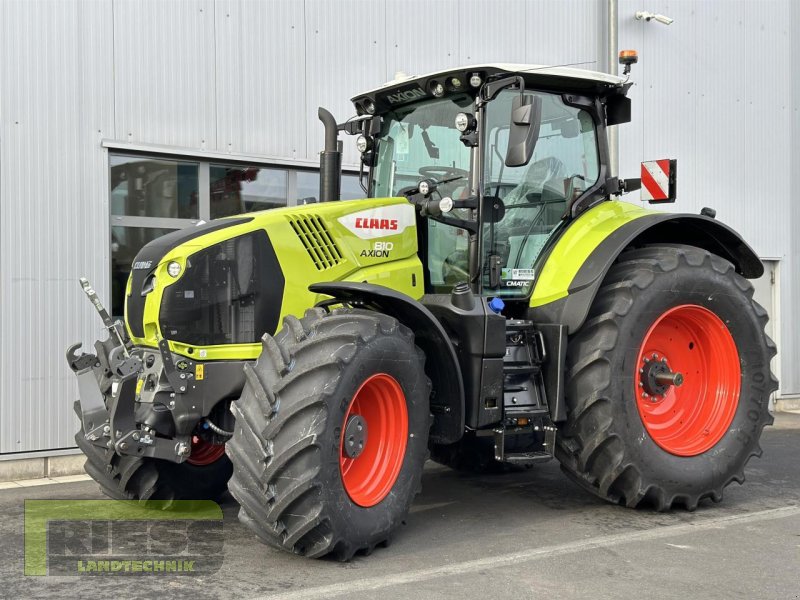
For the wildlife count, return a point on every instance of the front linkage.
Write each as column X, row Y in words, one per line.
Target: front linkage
column 129, row 394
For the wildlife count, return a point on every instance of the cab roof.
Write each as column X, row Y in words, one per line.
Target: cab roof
column 549, row 78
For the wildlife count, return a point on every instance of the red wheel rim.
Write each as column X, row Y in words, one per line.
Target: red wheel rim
column 689, row 419
column 204, row 452
column 370, row 476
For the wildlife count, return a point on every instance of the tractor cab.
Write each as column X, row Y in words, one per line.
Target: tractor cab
column 497, row 158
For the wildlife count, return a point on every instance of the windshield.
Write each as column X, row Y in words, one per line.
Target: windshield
column 565, row 163
column 420, row 141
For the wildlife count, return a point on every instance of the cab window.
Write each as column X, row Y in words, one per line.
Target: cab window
column 565, row 163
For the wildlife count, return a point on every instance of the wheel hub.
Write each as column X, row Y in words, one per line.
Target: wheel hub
column 355, row 436
column 369, row 467
column 655, row 378
column 688, row 380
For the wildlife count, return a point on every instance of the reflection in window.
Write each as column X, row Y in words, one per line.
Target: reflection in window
column 147, row 187
column 308, row 187
column 125, row 245
column 236, row 190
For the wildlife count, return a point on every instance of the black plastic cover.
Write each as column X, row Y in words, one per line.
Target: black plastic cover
column 230, row 293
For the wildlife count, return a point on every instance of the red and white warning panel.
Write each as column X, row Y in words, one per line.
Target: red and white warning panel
column 658, row 180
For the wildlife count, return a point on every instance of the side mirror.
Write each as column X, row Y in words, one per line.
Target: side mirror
column 526, row 119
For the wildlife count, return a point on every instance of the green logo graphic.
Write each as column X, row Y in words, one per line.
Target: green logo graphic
column 122, row 537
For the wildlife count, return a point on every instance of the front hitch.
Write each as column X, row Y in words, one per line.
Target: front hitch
column 109, row 384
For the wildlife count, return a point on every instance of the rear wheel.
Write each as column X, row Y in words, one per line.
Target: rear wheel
column 331, row 433
column 668, row 381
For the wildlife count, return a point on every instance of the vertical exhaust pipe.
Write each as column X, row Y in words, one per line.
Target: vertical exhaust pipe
column 330, row 159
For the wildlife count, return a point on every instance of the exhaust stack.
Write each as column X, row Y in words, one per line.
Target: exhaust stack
column 330, row 159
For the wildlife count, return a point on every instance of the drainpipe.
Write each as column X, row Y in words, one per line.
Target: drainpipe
column 613, row 52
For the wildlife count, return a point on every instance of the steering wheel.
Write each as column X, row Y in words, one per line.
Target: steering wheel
column 442, row 172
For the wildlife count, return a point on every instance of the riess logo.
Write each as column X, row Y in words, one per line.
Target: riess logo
column 123, row 537
column 387, row 224
column 379, row 222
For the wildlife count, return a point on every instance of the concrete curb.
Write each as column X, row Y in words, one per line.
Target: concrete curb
column 790, row 404
column 44, row 467
column 25, row 483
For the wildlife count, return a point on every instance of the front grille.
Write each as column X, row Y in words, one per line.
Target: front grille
column 229, row 293
column 316, row 239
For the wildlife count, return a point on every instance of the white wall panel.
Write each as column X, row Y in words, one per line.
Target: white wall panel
column 703, row 96
column 261, row 78
column 790, row 274
column 56, row 103
column 164, row 72
column 420, row 36
column 345, row 54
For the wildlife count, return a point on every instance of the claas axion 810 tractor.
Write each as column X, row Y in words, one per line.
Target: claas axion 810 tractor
column 491, row 302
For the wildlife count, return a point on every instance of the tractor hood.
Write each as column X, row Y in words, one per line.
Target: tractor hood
column 213, row 290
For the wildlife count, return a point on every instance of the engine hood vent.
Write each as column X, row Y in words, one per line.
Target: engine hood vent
column 317, row 241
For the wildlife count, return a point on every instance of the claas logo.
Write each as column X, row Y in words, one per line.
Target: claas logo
column 386, row 224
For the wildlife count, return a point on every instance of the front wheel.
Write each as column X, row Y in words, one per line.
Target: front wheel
column 331, row 433
column 668, row 381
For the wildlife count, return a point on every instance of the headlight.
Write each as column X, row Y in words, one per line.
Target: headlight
column 424, row 188
column 362, row 144
column 466, row 123
column 174, row 269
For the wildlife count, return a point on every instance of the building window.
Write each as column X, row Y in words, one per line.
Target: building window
column 236, row 190
column 151, row 196
column 147, row 187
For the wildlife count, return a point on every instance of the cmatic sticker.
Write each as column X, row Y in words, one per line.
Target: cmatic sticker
column 379, row 222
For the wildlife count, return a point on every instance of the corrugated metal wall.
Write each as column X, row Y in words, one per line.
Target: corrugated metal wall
column 246, row 77
column 714, row 90
column 56, row 104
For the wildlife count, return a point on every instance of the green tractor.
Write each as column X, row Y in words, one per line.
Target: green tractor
column 490, row 303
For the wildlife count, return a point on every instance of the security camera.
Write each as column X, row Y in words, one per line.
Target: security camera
column 648, row 16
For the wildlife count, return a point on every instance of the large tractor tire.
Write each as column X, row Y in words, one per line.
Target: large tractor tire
column 331, row 433
column 204, row 475
column 664, row 313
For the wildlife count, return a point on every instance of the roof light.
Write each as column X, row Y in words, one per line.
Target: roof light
column 628, row 58
column 437, row 89
column 475, row 80
column 369, row 106
column 455, row 82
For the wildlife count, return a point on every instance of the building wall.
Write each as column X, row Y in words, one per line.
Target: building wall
column 703, row 96
column 245, row 78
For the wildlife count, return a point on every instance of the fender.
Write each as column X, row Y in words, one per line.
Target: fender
column 441, row 363
column 578, row 262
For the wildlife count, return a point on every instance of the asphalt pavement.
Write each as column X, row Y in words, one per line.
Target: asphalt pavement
column 530, row 534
